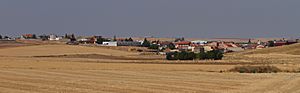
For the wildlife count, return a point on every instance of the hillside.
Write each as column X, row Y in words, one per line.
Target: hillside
column 82, row 69
column 293, row 49
column 283, row 54
column 46, row 50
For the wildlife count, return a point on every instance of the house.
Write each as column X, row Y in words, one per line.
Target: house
column 250, row 46
column 165, row 44
column 198, row 49
column 122, row 43
column 53, row 37
column 28, row 36
column 6, row 38
column 89, row 40
column 282, row 42
column 183, row 45
column 111, row 43
column 199, row 42
column 129, row 43
column 209, row 48
column 260, row 46
column 229, row 47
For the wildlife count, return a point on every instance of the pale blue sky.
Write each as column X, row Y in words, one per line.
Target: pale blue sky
column 162, row 18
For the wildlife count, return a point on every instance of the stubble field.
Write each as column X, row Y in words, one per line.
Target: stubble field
column 80, row 69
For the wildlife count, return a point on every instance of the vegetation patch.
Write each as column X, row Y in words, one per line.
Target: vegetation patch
column 210, row 55
column 255, row 69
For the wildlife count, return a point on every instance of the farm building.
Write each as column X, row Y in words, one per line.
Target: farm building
column 53, row 37
column 129, row 43
column 122, row 43
column 113, row 43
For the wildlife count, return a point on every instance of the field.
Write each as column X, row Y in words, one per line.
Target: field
column 82, row 69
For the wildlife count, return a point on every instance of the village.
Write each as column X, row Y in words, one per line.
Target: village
column 149, row 46
column 171, row 47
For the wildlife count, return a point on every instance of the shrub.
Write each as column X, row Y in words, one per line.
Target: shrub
column 255, row 69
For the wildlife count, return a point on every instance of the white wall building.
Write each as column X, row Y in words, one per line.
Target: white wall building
column 53, row 38
column 110, row 43
column 199, row 42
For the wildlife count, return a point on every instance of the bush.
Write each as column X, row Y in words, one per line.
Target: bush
column 255, row 69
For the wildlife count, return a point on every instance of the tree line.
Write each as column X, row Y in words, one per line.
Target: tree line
column 210, row 55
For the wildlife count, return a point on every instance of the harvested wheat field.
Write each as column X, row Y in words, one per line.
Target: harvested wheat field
column 80, row 69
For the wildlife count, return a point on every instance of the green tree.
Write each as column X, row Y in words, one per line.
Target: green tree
column 186, row 55
column 126, row 39
column 44, row 37
column 218, row 54
column 146, row 43
column 0, row 36
column 72, row 36
column 6, row 37
column 172, row 56
column 271, row 44
column 66, row 36
column 101, row 40
column 153, row 46
column 130, row 39
column 249, row 42
column 34, row 36
column 171, row 46
column 191, row 56
column 214, row 54
column 115, row 38
column 201, row 56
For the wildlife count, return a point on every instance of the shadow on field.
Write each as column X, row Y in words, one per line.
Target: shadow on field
column 95, row 56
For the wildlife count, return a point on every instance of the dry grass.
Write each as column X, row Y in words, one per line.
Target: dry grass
column 276, row 55
column 288, row 49
column 79, row 69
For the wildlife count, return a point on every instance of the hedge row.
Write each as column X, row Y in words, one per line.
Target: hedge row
column 213, row 55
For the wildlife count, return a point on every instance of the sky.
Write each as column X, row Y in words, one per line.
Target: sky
column 159, row 18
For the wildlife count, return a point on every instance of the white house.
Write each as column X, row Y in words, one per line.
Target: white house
column 199, row 42
column 53, row 37
column 110, row 43
column 122, row 43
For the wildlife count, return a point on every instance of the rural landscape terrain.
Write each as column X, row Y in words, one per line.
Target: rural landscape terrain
column 149, row 46
column 60, row 68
